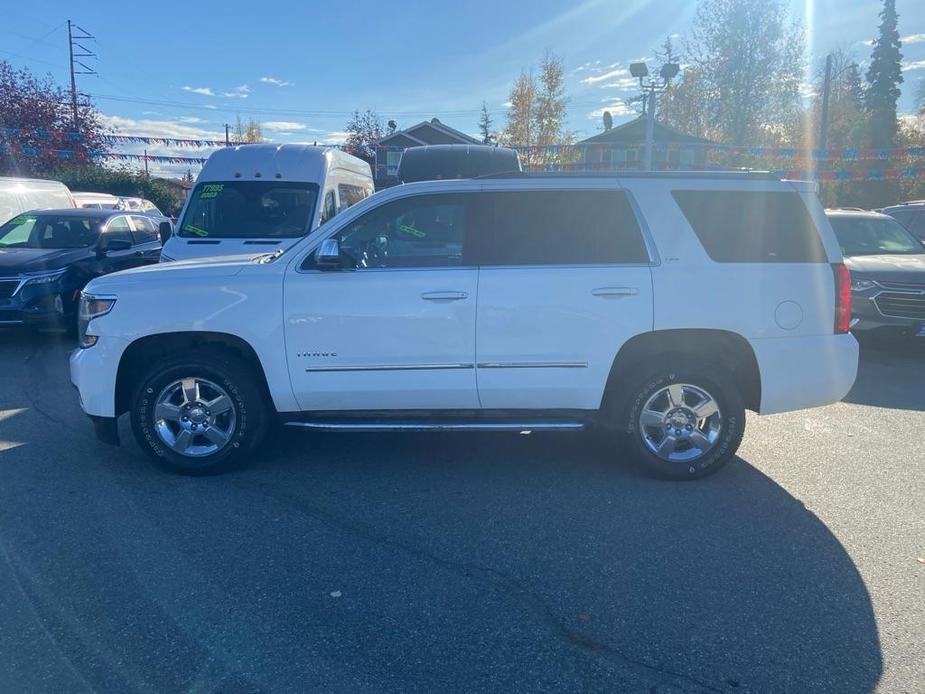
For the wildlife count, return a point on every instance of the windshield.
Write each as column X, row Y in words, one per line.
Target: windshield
column 49, row 231
column 874, row 236
column 249, row 209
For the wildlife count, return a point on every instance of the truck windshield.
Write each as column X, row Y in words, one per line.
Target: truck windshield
column 249, row 209
column 874, row 236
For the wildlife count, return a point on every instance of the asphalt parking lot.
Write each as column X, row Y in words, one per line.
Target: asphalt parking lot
column 453, row 562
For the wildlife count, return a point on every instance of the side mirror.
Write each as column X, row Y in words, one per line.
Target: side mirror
column 108, row 245
column 327, row 257
column 165, row 229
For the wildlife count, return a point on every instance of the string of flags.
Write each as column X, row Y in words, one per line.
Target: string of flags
column 827, row 154
column 70, row 154
column 109, row 138
column 892, row 174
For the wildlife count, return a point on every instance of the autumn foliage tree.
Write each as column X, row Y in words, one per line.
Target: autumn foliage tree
column 364, row 130
column 37, row 130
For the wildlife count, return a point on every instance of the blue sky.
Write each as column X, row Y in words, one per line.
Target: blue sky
column 182, row 69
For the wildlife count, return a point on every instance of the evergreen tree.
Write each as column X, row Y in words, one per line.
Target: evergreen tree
column 883, row 78
column 485, row 126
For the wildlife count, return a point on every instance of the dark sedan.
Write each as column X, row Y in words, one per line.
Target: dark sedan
column 887, row 266
column 47, row 256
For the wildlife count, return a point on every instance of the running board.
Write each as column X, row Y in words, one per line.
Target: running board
column 439, row 426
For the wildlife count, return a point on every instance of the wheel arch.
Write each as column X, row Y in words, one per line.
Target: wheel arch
column 144, row 350
column 727, row 348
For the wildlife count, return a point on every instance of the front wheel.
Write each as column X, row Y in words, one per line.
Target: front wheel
column 200, row 414
column 682, row 423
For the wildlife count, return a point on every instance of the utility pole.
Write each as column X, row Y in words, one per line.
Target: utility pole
column 72, row 42
column 826, row 90
column 227, row 140
column 650, row 129
column 146, row 163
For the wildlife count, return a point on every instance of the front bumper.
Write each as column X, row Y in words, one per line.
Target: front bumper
column 93, row 373
column 38, row 306
column 868, row 315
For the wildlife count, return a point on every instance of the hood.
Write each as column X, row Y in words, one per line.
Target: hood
column 180, row 270
column 28, row 260
column 900, row 268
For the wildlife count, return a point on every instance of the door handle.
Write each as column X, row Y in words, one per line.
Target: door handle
column 615, row 291
column 444, row 296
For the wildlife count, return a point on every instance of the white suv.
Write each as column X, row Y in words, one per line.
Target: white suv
column 659, row 307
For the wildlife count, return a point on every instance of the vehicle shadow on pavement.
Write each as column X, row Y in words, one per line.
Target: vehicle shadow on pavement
column 405, row 563
column 890, row 375
column 729, row 583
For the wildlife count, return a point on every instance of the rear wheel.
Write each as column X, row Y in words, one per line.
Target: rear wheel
column 682, row 423
column 200, row 414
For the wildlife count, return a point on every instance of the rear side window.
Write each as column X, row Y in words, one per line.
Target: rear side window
column 737, row 226
column 578, row 227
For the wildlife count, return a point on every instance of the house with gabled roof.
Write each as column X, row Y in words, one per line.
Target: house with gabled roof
column 622, row 147
column 390, row 147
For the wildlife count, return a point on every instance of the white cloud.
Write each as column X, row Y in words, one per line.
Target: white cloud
column 240, row 92
column 622, row 72
column 333, row 137
column 913, row 38
column 212, row 106
column 914, row 65
column 157, row 128
column 283, row 125
column 161, row 128
column 205, row 91
column 616, row 108
column 275, row 81
column 188, row 119
column 867, row 42
column 507, row 104
column 626, row 84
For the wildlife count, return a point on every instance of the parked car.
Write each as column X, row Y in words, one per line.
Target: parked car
column 911, row 215
column 96, row 201
column 258, row 198
column 887, row 265
column 47, row 256
column 659, row 307
column 18, row 195
column 440, row 162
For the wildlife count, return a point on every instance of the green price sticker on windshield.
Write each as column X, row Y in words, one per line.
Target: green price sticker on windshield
column 195, row 230
column 211, row 191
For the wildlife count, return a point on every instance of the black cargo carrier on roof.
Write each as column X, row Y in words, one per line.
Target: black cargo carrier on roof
column 440, row 162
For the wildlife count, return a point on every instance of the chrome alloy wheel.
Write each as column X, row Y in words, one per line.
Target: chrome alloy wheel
column 680, row 422
column 194, row 417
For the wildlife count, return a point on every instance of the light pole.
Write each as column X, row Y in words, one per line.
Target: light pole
column 649, row 89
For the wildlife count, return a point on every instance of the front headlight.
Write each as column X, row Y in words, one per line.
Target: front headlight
column 862, row 285
column 44, row 278
column 91, row 306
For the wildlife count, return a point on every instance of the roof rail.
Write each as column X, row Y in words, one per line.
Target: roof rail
column 760, row 175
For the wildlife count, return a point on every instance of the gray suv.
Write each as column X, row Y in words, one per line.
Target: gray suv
column 887, row 265
column 911, row 215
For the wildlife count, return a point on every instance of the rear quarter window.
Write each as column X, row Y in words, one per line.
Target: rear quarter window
column 752, row 226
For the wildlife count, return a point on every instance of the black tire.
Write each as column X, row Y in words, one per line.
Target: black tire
column 249, row 404
column 652, row 377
